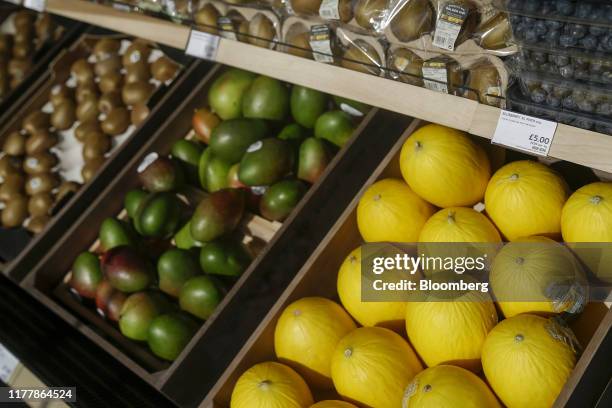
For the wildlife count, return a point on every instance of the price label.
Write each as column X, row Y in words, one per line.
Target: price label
column 8, row 363
column 526, row 133
column 38, row 5
column 202, row 45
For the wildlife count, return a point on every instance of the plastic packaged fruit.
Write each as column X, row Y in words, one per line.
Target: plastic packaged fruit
column 406, row 66
column 262, row 32
column 583, row 11
column 495, row 33
column 297, row 41
column 484, row 84
column 412, row 19
column 206, row 18
column 361, row 56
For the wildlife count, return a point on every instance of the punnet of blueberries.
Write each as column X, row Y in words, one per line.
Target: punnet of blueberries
column 567, row 65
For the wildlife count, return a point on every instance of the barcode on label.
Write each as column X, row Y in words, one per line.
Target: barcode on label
column 320, row 43
column 435, row 79
column 329, row 10
column 202, row 45
column 446, row 35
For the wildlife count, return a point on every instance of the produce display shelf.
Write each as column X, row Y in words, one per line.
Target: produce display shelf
column 572, row 144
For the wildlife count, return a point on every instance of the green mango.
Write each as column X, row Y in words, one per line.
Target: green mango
column 138, row 312
column 183, row 238
column 266, row 98
column 169, row 334
column 224, row 257
column 199, row 296
column 315, row 154
column 227, row 92
column 266, row 161
column 202, row 166
column 216, row 174
column 334, row 126
column 188, row 153
column 163, row 174
column 132, row 201
column 159, row 215
column 218, row 214
column 174, row 268
column 114, row 233
column 232, row 177
column 307, row 105
column 352, row 107
column 230, row 140
column 280, row 199
column 86, row 275
column 293, row 133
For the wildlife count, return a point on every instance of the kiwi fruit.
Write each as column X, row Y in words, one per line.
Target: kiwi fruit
column 298, row 44
column 88, row 109
column 24, row 36
column 454, row 72
column 64, row 115
column 44, row 27
column 60, row 93
column 484, row 80
column 36, row 120
column 206, row 18
column 85, row 90
column 40, row 141
column 13, row 185
column 137, row 92
column 136, row 52
column 369, row 13
column 90, row 168
column 308, row 7
column 18, row 68
column 164, row 69
column 66, row 188
column 261, row 31
column 23, row 19
column 110, row 82
column 345, row 10
column 6, row 43
column 15, row 211
column 14, row 144
column 240, row 24
column 109, row 101
column 36, row 225
column 40, row 204
column 495, row 33
column 109, row 65
column 139, row 72
column 9, row 165
column 139, row 114
column 21, row 50
column 361, row 56
column 414, row 19
column 95, row 145
column 406, row 66
column 82, row 71
column 41, row 183
column 39, row 163
column 116, row 122
column 84, row 128
column 105, row 48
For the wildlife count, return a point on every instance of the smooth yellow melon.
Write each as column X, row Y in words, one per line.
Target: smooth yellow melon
column 333, row 404
column 306, row 335
column 372, row 366
column 444, row 166
column 447, row 386
column 390, row 211
column 527, row 359
column 386, row 314
column 525, row 198
column 459, row 224
column 525, row 271
column 444, row 331
column 271, row 385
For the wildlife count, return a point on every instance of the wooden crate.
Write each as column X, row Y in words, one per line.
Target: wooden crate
column 31, row 249
column 318, row 277
column 187, row 380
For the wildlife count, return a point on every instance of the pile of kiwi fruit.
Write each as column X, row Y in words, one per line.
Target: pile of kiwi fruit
column 31, row 31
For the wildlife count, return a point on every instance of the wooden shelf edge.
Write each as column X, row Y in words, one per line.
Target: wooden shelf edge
column 572, row 144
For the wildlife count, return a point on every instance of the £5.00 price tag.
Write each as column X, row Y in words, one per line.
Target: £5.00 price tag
column 202, row 45
column 38, row 5
column 526, row 133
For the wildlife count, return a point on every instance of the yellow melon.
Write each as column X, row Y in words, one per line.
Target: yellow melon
column 451, row 330
column 459, row 224
column 372, row 366
column 447, row 386
column 271, row 385
column 306, row 335
column 525, row 272
column 333, row 404
column 387, row 314
column 525, row 198
column 527, row 359
column 390, row 211
column 444, row 166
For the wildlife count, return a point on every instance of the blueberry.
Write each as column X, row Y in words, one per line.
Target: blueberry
column 514, row 4
column 552, row 37
column 569, row 102
column 531, row 6
column 529, row 20
column 538, row 95
column 565, row 7
column 567, row 40
column 589, row 42
column 577, row 30
column 586, row 106
column 515, row 19
column 553, row 101
column 540, row 27
column 583, row 10
column 531, row 36
column 606, row 42
column 598, row 13
column 597, row 30
column 547, row 7
column 554, row 24
column 567, row 71
column 539, row 56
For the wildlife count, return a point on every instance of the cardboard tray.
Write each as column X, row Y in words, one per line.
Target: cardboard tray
column 27, row 250
column 318, row 276
column 187, row 380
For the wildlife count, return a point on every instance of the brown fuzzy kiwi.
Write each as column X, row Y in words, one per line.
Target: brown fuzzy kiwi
column 40, row 141
column 41, row 183
column 408, row 66
column 84, row 128
column 13, row 185
column 139, row 72
column 24, row 37
column 23, row 19
column 109, row 65
column 413, row 20
column 95, row 145
column 36, row 120
column 9, row 165
column 484, row 84
column 15, row 212
column 39, row 163
column 105, row 48
column 139, row 113
column 82, row 71
column 64, row 115
column 308, row 7
column 45, row 27
column 137, row 92
column 14, row 144
column 362, row 56
column 164, row 69
column 345, row 10
column 90, row 168
column 22, row 50
column 110, row 82
column 298, row 41
column 369, row 13
column 36, row 225
column 88, row 109
column 137, row 51
column 40, row 204
column 261, row 31
column 206, row 18
column 85, row 90
column 109, row 101
column 117, row 121
column 60, row 93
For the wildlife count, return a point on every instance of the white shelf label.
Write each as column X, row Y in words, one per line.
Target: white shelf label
column 38, row 5
column 8, row 363
column 526, row 133
column 202, row 45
